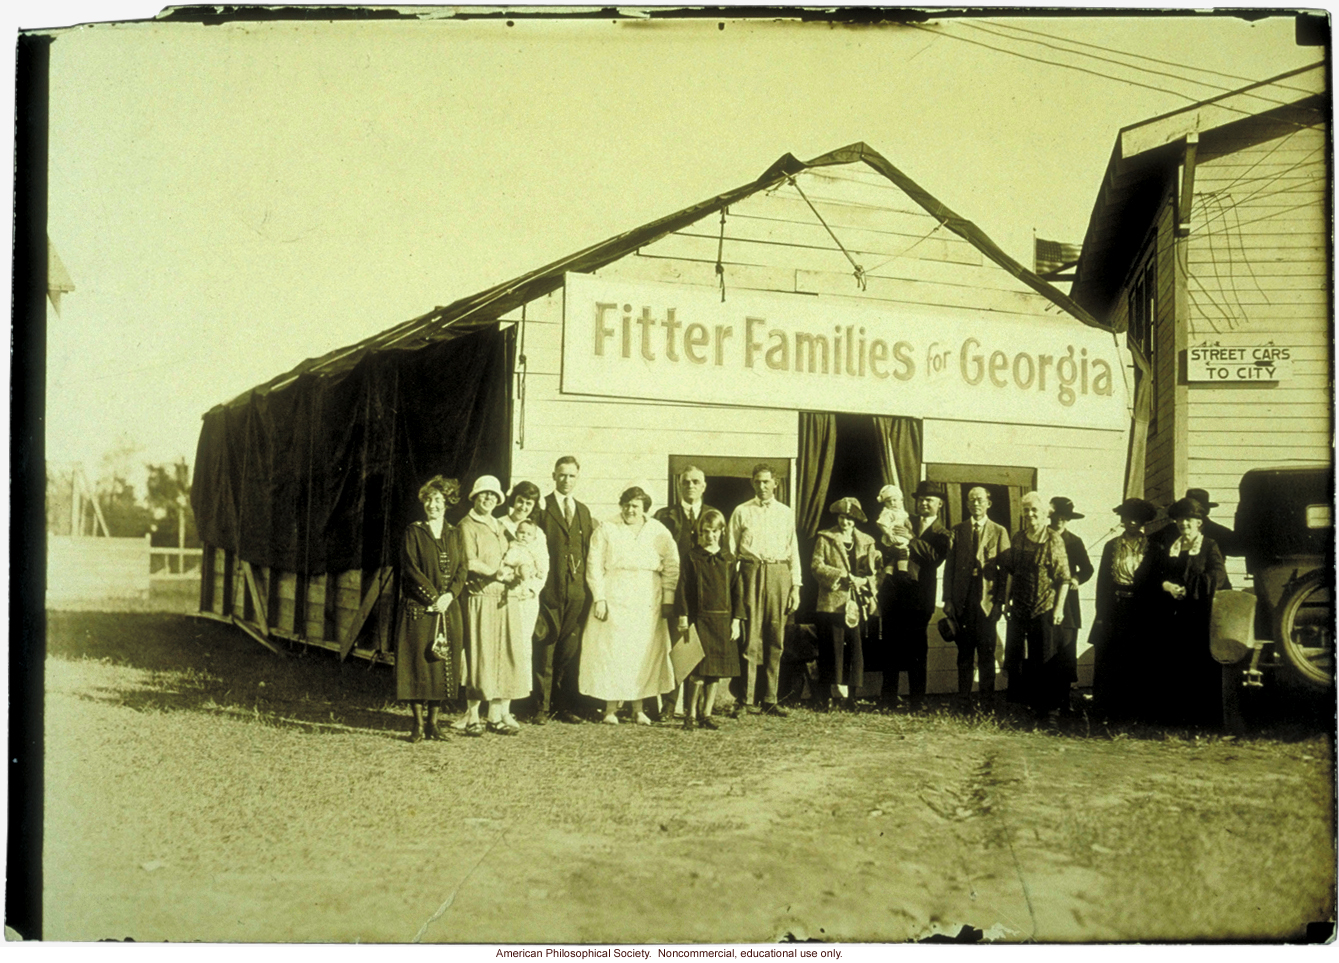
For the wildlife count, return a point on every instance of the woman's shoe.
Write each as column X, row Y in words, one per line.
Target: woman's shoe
column 503, row 729
column 461, row 724
column 610, row 719
column 688, row 722
column 475, row 729
column 643, row 719
column 704, row 722
column 416, row 735
column 430, row 731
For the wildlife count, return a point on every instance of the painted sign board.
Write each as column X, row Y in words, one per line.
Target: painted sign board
column 681, row 343
column 1257, row 362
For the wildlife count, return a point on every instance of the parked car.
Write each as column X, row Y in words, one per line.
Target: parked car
column 1285, row 526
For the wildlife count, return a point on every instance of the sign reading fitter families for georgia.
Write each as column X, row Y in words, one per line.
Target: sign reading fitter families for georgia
column 677, row 343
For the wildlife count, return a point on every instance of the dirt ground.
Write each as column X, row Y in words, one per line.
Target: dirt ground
column 200, row 788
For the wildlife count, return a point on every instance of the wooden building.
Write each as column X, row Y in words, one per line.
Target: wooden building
column 831, row 318
column 1208, row 250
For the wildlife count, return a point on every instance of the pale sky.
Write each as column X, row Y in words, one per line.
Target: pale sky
column 232, row 199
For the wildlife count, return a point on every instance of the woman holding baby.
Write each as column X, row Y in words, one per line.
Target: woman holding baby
column 498, row 671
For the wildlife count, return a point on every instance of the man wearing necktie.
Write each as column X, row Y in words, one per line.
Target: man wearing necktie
column 762, row 537
column 565, row 598
column 681, row 519
column 973, row 599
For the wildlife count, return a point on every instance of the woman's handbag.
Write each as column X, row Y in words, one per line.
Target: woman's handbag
column 440, row 651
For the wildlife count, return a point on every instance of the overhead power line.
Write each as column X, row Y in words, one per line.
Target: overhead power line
column 1085, row 70
column 1127, row 53
column 1120, row 63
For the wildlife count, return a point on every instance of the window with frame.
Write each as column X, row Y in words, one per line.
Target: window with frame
column 1143, row 312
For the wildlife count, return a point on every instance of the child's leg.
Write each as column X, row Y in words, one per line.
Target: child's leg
column 708, row 698
column 690, row 698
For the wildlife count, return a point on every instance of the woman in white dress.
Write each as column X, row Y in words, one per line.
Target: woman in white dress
column 632, row 571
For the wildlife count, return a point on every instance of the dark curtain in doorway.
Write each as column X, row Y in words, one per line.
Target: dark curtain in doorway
column 818, row 450
column 900, row 452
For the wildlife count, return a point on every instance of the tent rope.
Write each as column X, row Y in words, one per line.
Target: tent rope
column 720, row 251
column 859, row 271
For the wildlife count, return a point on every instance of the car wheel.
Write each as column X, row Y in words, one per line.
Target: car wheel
column 1305, row 631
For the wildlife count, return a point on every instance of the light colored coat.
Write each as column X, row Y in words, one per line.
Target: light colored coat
column 831, row 568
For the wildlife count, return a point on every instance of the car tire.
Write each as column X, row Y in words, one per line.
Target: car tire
column 1304, row 633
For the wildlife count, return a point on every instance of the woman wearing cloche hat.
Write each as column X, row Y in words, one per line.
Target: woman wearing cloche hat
column 844, row 564
column 1117, row 637
column 1182, row 580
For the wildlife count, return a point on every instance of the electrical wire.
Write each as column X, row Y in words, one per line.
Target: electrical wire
column 1127, row 53
column 1085, row 70
column 1119, row 63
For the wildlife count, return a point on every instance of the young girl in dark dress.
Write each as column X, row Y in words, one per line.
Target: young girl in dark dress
column 708, row 598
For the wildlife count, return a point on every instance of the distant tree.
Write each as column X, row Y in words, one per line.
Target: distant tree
column 126, row 516
column 169, row 500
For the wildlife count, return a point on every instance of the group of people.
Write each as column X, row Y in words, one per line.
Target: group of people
column 640, row 614
column 543, row 603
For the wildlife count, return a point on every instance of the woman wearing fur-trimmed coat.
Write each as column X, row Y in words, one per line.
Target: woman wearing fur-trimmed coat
column 844, row 564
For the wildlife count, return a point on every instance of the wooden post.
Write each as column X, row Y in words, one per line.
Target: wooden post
column 257, row 598
column 381, row 579
column 181, row 541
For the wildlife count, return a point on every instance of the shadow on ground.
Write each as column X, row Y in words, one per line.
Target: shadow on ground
column 198, row 665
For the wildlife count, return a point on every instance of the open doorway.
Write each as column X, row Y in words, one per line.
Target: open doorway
column 856, row 470
column 729, row 479
column 1006, row 484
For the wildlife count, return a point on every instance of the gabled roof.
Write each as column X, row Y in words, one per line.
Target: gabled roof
column 1145, row 158
column 482, row 309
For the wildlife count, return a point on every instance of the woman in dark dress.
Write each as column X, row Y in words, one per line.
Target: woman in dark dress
column 432, row 576
column 1181, row 581
column 1117, row 634
column 709, row 597
column 845, row 563
column 1080, row 570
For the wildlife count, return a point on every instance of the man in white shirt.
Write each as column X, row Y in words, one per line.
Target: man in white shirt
column 762, row 537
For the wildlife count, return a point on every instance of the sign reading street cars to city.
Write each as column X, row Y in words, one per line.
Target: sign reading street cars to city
column 675, row 342
column 1218, row 362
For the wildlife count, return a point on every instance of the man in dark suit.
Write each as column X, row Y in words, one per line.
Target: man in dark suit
column 973, row 599
column 681, row 519
column 565, row 599
column 912, row 598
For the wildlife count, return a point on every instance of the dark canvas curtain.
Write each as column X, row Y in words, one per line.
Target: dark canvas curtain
column 818, row 450
column 322, row 475
column 900, row 452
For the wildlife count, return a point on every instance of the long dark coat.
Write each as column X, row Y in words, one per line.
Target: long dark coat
column 1187, row 680
column 428, row 567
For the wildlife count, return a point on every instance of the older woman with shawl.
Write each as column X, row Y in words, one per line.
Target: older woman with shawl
column 1037, row 566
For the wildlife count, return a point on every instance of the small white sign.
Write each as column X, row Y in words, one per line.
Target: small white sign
column 1259, row 362
column 675, row 342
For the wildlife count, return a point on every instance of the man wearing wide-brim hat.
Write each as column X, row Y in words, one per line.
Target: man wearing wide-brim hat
column 1224, row 537
column 908, row 598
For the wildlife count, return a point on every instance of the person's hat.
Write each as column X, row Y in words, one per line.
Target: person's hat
column 1063, row 508
column 1201, row 496
column 1187, row 508
column 1136, row 509
column 887, row 492
column 936, row 489
column 948, row 629
column 848, row 506
column 487, row 483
